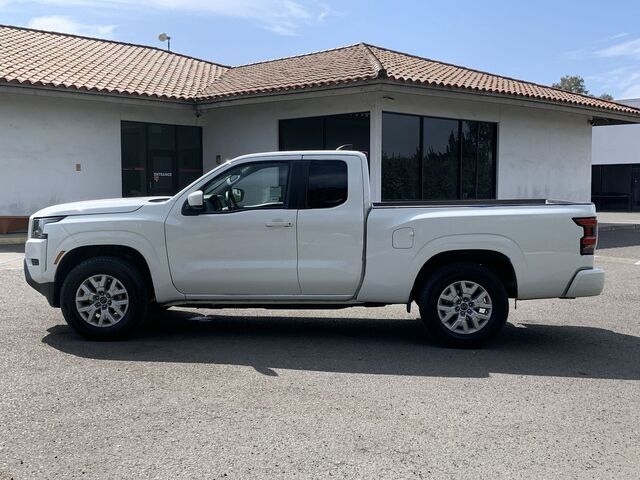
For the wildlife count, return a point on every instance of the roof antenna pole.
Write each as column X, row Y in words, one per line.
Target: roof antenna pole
column 163, row 37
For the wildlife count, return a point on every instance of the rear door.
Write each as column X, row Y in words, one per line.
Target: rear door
column 331, row 226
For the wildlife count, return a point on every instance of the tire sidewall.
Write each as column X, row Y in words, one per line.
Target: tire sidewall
column 453, row 273
column 130, row 279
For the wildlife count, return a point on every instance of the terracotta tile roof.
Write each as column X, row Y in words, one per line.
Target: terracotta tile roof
column 330, row 67
column 33, row 57
column 363, row 62
column 411, row 69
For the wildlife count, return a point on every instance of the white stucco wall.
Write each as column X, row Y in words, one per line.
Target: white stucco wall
column 541, row 153
column 544, row 154
column 616, row 144
column 239, row 130
column 42, row 138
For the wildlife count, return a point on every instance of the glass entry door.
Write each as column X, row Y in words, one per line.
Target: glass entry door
column 161, row 174
column 159, row 159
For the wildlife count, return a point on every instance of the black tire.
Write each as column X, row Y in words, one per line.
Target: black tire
column 439, row 282
column 131, row 280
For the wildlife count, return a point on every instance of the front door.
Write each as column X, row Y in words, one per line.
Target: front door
column 162, row 173
column 159, row 159
column 243, row 242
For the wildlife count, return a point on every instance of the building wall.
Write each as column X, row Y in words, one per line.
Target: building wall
column 544, row 154
column 44, row 137
column 616, row 144
column 239, row 130
column 541, row 153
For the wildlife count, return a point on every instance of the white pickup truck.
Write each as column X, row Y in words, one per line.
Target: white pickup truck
column 299, row 229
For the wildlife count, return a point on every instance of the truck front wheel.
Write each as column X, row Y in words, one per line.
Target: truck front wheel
column 104, row 298
column 463, row 304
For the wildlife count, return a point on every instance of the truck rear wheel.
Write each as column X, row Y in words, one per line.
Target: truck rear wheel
column 104, row 298
column 463, row 305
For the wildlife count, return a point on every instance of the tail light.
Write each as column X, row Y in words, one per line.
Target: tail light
column 590, row 234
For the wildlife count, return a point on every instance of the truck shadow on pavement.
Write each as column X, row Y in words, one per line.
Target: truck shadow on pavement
column 363, row 345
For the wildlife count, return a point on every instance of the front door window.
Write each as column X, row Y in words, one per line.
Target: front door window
column 248, row 186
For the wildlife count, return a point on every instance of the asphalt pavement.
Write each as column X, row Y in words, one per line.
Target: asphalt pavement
column 356, row 393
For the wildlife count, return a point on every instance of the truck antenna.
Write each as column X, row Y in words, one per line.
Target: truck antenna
column 346, row 146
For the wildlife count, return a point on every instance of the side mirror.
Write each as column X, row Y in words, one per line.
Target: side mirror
column 238, row 194
column 196, row 199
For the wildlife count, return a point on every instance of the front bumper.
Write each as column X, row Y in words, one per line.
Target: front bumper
column 46, row 289
column 586, row 283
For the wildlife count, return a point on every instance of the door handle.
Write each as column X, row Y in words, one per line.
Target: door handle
column 278, row 224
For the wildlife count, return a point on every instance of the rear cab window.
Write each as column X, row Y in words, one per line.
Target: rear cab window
column 328, row 184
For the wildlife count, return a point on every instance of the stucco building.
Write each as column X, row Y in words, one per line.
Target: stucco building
column 82, row 118
column 615, row 179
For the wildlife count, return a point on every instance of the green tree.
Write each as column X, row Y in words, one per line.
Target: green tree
column 572, row 83
column 575, row 84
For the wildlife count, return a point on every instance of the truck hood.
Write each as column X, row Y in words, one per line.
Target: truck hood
column 91, row 207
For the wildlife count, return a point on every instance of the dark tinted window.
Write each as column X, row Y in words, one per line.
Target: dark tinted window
column 134, row 159
column 595, row 179
column 159, row 159
column 400, row 157
column 189, row 155
column 302, row 134
column 326, row 133
column 616, row 179
column 486, row 160
column 437, row 158
column 440, row 159
column 349, row 129
column 327, row 184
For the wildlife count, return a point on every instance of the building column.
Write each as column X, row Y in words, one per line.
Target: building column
column 375, row 152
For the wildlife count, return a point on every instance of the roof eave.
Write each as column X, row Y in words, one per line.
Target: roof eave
column 122, row 96
column 600, row 116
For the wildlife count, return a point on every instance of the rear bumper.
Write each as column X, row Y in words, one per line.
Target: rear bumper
column 46, row 289
column 586, row 283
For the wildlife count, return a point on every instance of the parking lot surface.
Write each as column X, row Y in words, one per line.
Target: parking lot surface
column 357, row 393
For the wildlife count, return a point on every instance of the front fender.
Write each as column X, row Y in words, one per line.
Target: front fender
column 154, row 255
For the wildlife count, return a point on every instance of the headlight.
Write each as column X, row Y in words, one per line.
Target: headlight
column 37, row 229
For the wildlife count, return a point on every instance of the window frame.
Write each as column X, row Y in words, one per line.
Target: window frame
column 189, row 211
column 421, row 145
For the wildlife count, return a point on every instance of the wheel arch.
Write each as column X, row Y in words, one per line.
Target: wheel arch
column 498, row 263
column 74, row 257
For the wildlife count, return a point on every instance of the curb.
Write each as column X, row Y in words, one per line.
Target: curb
column 13, row 239
column 613, row 227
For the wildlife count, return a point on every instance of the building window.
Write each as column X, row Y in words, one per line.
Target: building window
column 616, row 187
column 326, row 133
column 159, row 159
column 427, row 158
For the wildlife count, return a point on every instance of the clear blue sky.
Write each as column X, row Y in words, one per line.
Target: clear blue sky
column 537, row 40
